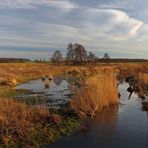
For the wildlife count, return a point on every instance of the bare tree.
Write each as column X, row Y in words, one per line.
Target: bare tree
column 76, row 53
column 80, row 53
column 57, row 57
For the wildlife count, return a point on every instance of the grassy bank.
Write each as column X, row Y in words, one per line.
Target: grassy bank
column 100, row 91
column 26, row 126
column 22, row 125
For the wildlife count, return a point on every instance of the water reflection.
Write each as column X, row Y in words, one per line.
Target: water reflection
column 93, row 133
column 46, row 80
column 103, row 125
column 130, row 90
column 140, row 87
column 58, row 80
column 49, row 92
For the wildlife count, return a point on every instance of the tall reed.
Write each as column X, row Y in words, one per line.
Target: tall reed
column 100, row 91
column 143, row 77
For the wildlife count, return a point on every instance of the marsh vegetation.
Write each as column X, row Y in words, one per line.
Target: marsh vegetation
column 58, row 98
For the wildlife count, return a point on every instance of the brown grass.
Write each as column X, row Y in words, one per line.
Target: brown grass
column 143, row 77
column 22, row 124
column 100, row 91
column 131, row 69
column 26, row 71
column 18, row 121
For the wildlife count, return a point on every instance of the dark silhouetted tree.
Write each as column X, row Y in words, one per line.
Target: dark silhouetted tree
column 76, row 53
column 91, row 57
column 70, row 57
column 106, row 56
column 80, row 53
column 57, row 57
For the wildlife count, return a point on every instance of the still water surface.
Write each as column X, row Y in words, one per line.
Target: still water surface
column 57, row 95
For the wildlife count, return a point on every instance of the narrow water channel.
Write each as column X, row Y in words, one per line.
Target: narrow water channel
column 123, row 127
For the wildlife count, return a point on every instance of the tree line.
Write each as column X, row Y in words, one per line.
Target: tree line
column 76, row 54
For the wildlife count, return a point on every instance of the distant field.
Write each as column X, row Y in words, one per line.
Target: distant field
column 112, row 60
column 31, row 70
column 9, row 60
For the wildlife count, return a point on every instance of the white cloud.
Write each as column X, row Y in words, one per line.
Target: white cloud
column 64, row 5
column 93, row 27
column 122, row 4
column 113, row 24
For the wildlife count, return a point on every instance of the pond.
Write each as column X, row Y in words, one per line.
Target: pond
column 54, row 96
column 125, row 126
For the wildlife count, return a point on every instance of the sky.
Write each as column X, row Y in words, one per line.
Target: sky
column 36, row 28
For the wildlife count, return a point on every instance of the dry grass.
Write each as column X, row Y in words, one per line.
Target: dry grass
column 26, row 126
column 21, row 72
column 143, row 77
column 131, row 69
column 17, row 120
column 100, row 91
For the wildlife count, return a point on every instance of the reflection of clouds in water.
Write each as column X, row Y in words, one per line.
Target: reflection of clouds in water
column 57, row 94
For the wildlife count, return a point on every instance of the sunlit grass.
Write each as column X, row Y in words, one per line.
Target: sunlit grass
column 100, row 91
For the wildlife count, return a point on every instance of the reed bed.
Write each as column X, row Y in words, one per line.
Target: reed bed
column 131, row 69
column 31, row 126
column 14, row 73
column 100, row 91
column 18, row 121
column 143, row 77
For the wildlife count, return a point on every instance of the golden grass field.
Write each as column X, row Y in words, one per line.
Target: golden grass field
column 18, row 120
column 100, row 91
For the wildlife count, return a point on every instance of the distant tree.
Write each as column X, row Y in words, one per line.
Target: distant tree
column 57, row 57
column 80, row 53
column 106, row 56
column 70, row 56
column 76, row 53
column 91, row 57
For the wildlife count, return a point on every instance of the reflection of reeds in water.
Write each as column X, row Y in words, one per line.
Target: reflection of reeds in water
column 101, row 91
column 103, row 126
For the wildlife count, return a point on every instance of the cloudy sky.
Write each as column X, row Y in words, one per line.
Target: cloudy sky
column 35, row 28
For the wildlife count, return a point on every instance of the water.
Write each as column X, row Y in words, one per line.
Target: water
column 57, row 95
column 123, row 127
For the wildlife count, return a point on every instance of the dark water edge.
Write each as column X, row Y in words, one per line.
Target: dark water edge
column 122, row 127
